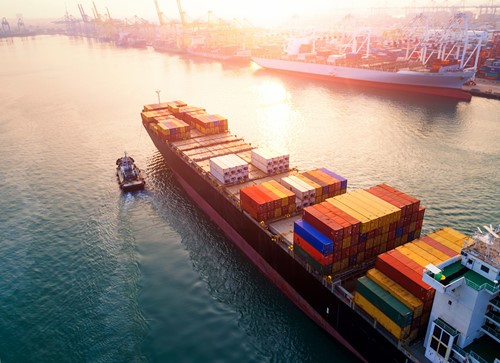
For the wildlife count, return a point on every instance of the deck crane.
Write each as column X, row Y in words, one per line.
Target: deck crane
column 161, row 17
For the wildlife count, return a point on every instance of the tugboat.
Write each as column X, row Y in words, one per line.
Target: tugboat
column 129, row 175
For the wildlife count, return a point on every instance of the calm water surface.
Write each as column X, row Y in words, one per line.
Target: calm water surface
column 91, row 274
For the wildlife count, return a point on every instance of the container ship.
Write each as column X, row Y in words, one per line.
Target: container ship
column 434, row 63
column 353, row 261
column 447, row 81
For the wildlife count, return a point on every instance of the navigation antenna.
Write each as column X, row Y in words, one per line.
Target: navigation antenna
column 487, row 238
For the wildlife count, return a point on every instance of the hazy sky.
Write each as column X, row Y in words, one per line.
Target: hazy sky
column 258, row 12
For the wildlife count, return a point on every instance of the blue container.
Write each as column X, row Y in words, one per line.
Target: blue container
column 343, row 181
column 315, row 238
column 399, row 232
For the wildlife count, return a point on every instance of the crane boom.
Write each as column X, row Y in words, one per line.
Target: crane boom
column 181, row 13
column 161, row 18
column 98, row 16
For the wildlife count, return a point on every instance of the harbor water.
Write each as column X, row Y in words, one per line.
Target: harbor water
column 91, row 274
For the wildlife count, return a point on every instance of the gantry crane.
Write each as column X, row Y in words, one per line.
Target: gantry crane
column 5, row 26
column 161, row 17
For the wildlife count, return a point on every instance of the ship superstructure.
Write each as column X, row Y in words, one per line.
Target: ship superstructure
column 465, row 317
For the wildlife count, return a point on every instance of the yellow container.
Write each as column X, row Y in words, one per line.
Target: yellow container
column 445, row 242
column 396, row 290
column 357, row 205
column 372, row 205
column 454, row 236
column 424, row 254
column 394, row 211
column 380, row 317
column 438, row 254
column 365, row 222
column 413, row 256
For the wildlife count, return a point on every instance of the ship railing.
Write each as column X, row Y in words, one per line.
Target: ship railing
column 477, row 358
column 459, row 351
column 491, row 332
column 486, row 286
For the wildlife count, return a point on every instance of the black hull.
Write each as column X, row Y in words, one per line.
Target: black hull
column 325, row 308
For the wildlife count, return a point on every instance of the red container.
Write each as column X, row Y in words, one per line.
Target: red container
column 403, row 275
column 438, row 246
column 313, row 252
column 407, row 261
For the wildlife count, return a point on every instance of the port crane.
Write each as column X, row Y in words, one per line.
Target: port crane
column 5, row 26
column 161, row 17
column 20, row 25
column 85, row 17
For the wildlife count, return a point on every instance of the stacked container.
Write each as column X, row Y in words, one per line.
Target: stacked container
column 327, row 183
column 170, row 128
column 156, row 106
column 150, row 116
column 229, row 168
column 313, row 246
column 208, row 124
column 409, row 226
column 389, row 312
column 268, row 200
column 306, row 193
column 173, row 106
column 270, row 161
column 404, row 265
column 361, row 225
column 401, row 294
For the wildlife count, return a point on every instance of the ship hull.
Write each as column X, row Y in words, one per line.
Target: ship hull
column 228, row 58
column 447, row 84
column 326, row 309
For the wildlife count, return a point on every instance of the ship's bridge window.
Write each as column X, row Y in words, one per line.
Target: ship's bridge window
column 442, row 338
column 485, row 269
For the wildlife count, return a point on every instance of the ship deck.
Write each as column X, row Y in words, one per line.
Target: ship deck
column 196, row 153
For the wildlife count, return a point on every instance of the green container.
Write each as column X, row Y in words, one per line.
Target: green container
column 385, row 302
column 324, row 270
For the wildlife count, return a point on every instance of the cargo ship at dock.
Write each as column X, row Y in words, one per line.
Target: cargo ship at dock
column 352, row 261
column 437, row 62
column 446, row 82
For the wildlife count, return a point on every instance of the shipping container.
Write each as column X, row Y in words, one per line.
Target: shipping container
column 404, row 276
column 398, row 332
column 323, row 270
column 312, row 251
column 398, row 291
column 384, row 301
column 313, row 236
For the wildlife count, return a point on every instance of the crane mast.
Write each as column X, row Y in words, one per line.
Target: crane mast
column 161, row 18
column 181, row 13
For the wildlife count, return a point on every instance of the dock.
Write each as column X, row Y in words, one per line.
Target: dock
column 484, row 88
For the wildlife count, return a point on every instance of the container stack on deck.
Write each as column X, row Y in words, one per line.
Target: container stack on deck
column 196, row 117
column 315, row 186
column 270, row 161
column 229, row 168
column 165, row 124
column 171, row 128
column 398, row 273
column 268, row 200
column 363, row 223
